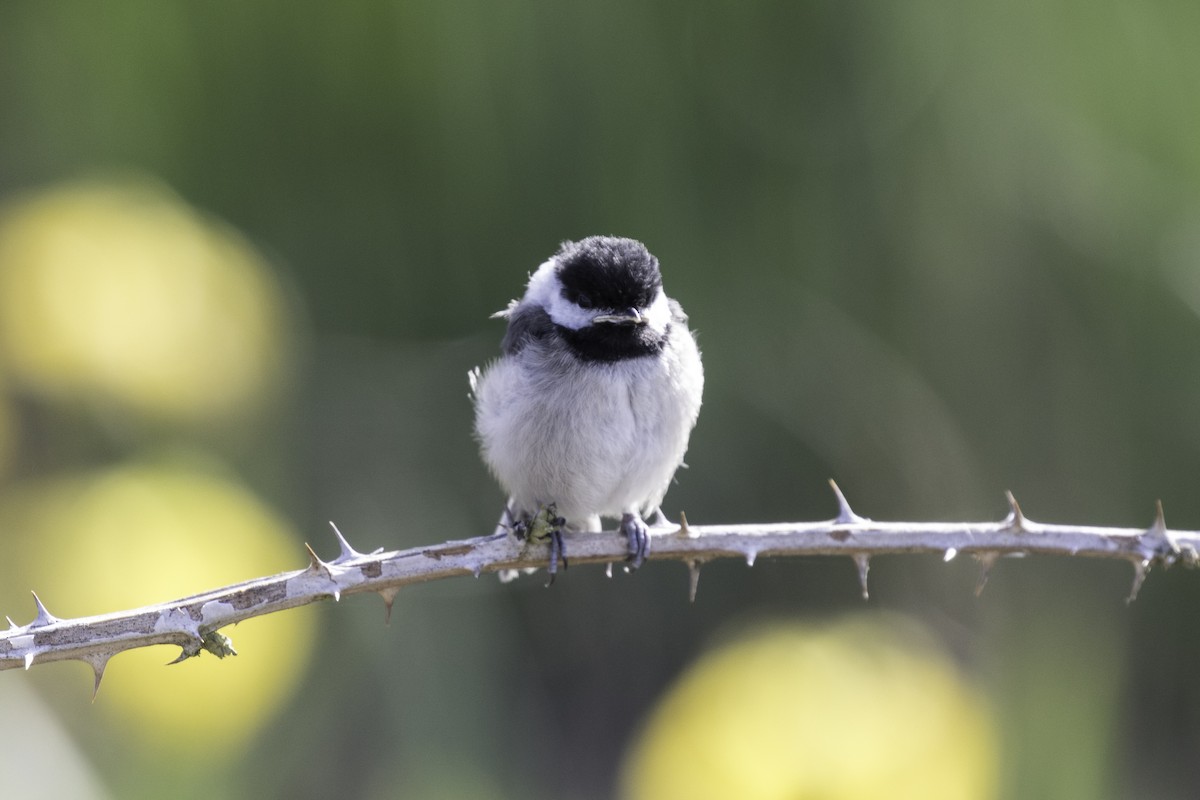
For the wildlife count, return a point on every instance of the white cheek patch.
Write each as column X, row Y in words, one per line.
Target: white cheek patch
column 568, row 314
column 545, row 290
column 658, row 313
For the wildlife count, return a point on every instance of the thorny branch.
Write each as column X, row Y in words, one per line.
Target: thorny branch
column 193, row 623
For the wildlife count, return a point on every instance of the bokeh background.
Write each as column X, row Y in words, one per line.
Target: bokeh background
column 934, row 250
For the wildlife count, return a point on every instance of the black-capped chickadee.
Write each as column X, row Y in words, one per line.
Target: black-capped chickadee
column 587, row 412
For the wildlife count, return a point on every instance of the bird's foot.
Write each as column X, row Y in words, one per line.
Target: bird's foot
column 545, row 525
column 638, row 534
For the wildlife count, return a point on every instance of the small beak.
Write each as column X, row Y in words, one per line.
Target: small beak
column 627, row 316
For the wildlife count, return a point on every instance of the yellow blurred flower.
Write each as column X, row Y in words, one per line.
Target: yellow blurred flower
column 7, row 431
column 862, row 709
column 136, row 535
column 123, row 292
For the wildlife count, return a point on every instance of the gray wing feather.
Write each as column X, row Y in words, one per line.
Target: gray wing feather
column 525, row 324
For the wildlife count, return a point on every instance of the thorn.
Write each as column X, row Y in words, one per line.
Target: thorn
column 950, row 553
column 189, row 650
column 863, row 562
column 1015, row 519
column 44, row 617
column 751, row 555
column 347, row 553
column 693, row 579
column 684, row 530
column 97, row 663
column 12, row 625
column 29, row 659
column 986, row 560
column 1140, row 568
column 846, row 515
column 608, row 570
column 1161, row 544
column 389, row 596
column 315, row 564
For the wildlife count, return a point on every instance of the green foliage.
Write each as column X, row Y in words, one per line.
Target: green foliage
column 933, row 250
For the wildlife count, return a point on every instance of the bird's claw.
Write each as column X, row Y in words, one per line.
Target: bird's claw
column 545, row 525
column 557, row 553
column 520, row 529
column 638, row 534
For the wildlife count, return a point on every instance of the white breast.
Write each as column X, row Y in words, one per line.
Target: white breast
column 595, row 439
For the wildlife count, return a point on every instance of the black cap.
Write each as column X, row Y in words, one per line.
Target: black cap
column 608, row 272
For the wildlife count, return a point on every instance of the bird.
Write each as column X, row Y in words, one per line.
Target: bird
column 588, row 410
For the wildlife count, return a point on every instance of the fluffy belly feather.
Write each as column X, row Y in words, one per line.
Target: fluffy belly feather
column 616, row 450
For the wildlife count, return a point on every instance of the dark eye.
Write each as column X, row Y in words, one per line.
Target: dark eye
column 583, row 301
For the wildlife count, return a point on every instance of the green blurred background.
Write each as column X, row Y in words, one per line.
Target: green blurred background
column 933, row 250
